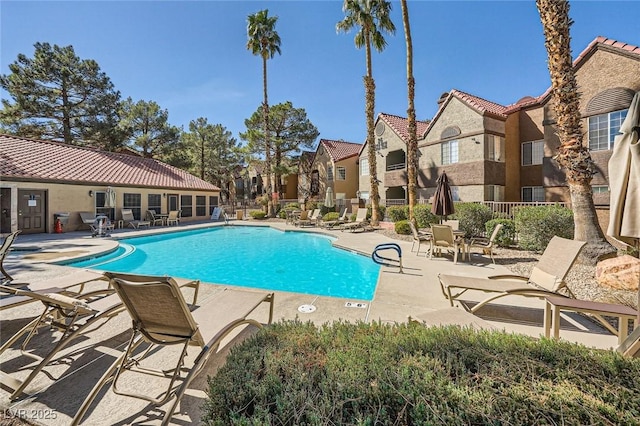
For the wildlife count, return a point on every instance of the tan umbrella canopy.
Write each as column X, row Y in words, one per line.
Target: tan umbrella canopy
column 442, row 199
column 624, row 179
column 110, row 198
column 328, row 199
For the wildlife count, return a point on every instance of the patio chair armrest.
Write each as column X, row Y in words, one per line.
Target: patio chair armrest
column 508, row 277
column 479, row 240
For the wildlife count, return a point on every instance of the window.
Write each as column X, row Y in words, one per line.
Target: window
column 186, row 205
column 532, row 153
column 364, row 167
column 133, row 202
column 455, row 193
column 341, row 173
column 329, row 172
column 100, row 209
column 154, row 202
column 201, row 205
column 213, row 201
column 495, row 148
column 603, row 128
column 600, row 189
column 532, row 193
column 493, row 193
column 364, row 195
column 449, row 152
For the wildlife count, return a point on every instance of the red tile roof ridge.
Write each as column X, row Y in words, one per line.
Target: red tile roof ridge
column 400, row 125
column 481, row 104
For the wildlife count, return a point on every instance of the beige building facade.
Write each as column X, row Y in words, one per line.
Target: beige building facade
column 44, row 180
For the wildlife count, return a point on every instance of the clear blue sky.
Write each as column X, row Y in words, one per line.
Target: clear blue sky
column 191, row 58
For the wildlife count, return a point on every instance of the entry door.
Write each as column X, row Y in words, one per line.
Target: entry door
column 172, row 202
column 31, row 211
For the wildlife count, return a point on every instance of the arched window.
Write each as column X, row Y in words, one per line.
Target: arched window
column 450, row 132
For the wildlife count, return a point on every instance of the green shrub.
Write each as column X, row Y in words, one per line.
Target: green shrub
column 324, row 209
column 424, row 217
column 397, row 213
column 311, row 205
column 294, row 373
column 257, row 214
column 472, row 217
column 507, row 235
column 331, row 216
column 402, row 227
column 381, row 212
column 536, row 225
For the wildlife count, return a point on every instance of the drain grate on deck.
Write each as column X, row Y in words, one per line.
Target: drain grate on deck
column 355, row 305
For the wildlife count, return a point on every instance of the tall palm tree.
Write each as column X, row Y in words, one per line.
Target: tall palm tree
column 412, row 144
column 264, row 41
column 372, row 17
column 572, row 155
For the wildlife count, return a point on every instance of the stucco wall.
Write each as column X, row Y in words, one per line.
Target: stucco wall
column 70, row 198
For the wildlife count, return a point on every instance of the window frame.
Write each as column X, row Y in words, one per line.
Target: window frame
column 448, row 150
column 534, row 190
column 341, row 173
column 364, row 166
column 201, row 205
column 99, row 209
column 330, row 172
column 151, row 205
column 609, row 132
column 186, row 208
column 537, row 145
column 133, row 201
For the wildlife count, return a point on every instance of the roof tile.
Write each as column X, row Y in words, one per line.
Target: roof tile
column 47, row 160
column 400, row 125
column 339, row 150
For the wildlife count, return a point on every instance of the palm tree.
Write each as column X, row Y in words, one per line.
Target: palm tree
column 372, row 17
column 412, row 144
column 265, row 42
column 572, row 155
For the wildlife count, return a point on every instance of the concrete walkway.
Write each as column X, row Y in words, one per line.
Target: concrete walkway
column 54, row 397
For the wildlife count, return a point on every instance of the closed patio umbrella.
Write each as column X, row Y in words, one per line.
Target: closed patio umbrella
column 328, row 199
column 442, row 200
column 110, row 198
column 624, row 179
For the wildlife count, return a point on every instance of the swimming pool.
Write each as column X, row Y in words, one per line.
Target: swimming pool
column 250, row 256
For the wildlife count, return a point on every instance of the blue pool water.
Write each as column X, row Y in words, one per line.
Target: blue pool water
column 248, row 256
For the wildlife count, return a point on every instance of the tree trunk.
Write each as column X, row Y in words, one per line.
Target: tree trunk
column 267, row 144
column 572, row 156
column 412, row 145
column 370, row 94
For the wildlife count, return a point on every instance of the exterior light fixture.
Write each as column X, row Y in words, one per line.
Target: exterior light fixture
column 90, row 193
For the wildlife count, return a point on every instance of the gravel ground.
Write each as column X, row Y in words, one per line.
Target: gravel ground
column 581, row 278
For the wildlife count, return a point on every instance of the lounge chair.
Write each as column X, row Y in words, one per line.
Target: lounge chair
column 485, row 244
column 418, row 237
column 4, row 251
column 173, row 218
column 360, row 221
column 442, row 238
column 215, row 215
column 342, row 218
column 69, row 315
column 153, row 219
column 127, row 216
column 312, row 219
column 546, row 279
column 87, row 218
column 162, row 318
column 304, row 217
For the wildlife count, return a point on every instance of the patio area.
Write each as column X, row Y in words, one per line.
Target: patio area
column 414, row 292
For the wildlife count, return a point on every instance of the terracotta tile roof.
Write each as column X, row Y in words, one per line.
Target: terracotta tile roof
column 54, row 161
column 479, row 104
column 400, row 124
column 339, row 150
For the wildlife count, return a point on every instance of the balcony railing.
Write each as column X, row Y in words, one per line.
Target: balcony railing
column 397, row 166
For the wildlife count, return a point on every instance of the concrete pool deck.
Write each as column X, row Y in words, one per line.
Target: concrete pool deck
column 414, row 292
